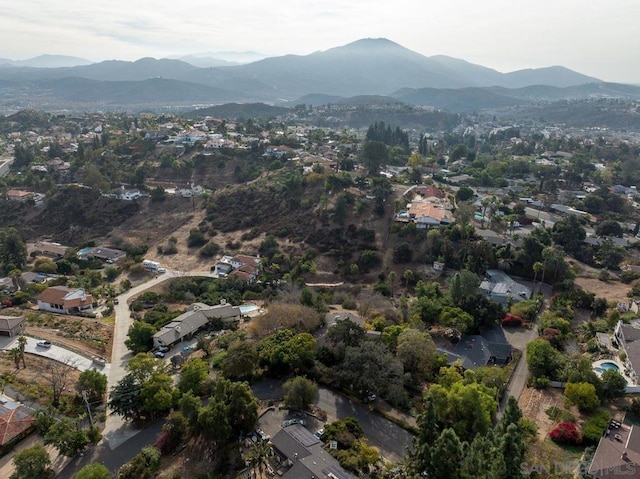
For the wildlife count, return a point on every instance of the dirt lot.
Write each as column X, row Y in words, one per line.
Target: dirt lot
column 85, row 336
column 32, row 381
column 587, row 279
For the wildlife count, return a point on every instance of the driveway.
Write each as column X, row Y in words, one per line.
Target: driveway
column 117, row 430
column 391, row 440
column 79, row 362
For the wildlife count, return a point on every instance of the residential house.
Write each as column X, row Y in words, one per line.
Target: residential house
column 425, row 214
column 245, row 267
column 490, row 347
column 627, row 338
column 500, row 287
column 19, row 195
column 11, row 325
column 302, row 452
column 197, row 316
column 568, row 210
column 108, row 255
column 54, row 250
column 189, row 190
column 63, row 300
column 15, row 423
column 618, row 453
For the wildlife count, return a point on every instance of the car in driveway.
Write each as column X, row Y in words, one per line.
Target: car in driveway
column 159, row 354
column 43, row 343
column 291, row 422
column 319, row 433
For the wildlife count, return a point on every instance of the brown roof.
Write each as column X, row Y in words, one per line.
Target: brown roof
column 53, row 294
column 431, row 210
column 14, row 420
column 18, row 193
column 429, row 191
column 51, row 248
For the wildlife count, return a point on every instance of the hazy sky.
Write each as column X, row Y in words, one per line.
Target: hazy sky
column 601, row 38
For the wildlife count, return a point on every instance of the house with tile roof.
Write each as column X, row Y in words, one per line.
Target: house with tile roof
column 63, row 300
column 15, row 423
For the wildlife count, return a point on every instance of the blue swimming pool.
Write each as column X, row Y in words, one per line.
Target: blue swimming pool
column 248, row 308
column 609, row 366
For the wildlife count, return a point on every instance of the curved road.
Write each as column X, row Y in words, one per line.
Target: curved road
column 117, row 430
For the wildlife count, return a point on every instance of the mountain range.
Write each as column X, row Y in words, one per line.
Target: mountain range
column 364, row 67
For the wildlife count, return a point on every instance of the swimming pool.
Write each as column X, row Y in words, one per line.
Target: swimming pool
column 248, row 308
column 609, row 366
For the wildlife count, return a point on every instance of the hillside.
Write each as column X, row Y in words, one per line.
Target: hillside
column 362, row 68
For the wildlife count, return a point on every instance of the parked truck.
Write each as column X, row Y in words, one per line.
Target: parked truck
column 151, row 265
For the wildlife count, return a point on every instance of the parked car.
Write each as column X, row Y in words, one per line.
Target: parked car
column 188, row 349
column 159, row 354
column 319, row 433
column 43, row 343
column 163, row 349
column 370, row 398
column 291, row 422
column 99, row 360
column 162, row 270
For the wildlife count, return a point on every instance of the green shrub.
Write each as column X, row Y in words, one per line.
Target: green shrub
column 559, row 415
column 595, row 426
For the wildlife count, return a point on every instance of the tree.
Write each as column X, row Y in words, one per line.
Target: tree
column 566, row 433
column 193, row 375
column 448, row 451
column 66, row 437
column 371, row 367
column 467, row 408
column 16, row 355
column 144, row 465
column 158, row 194
column 299, row 393
column 464, row 193
column 32, row 463
column 609, row 228
column 613, row 384
column 58, row 375
column 542, row 358
column 92, row 383
column 422, row 457
column 22, row 342
column 569, row 233
column 232, row 410
column 13, row 251
column 125, row 398
column 374, row 156
column 284, row 351
column 582, row 395
column 417, row 352
column 140, row 337
column 93, row 471
column 457, row 319
column 240, row 360
column 346, row 333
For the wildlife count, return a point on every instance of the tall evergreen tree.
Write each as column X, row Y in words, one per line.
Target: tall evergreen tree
column 426, row 438
column 446, row 456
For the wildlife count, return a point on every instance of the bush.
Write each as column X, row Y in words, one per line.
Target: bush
column 595, row 426
column 566, row 433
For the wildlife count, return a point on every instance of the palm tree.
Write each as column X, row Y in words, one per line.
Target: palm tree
column 258, row 455
column 16, row 355
column 22, row 342
column 537, row 268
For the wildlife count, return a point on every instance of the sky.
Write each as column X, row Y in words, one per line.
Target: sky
column 601, row 39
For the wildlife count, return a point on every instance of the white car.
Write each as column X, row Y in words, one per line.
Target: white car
column 162, row 270
column 43, row 343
